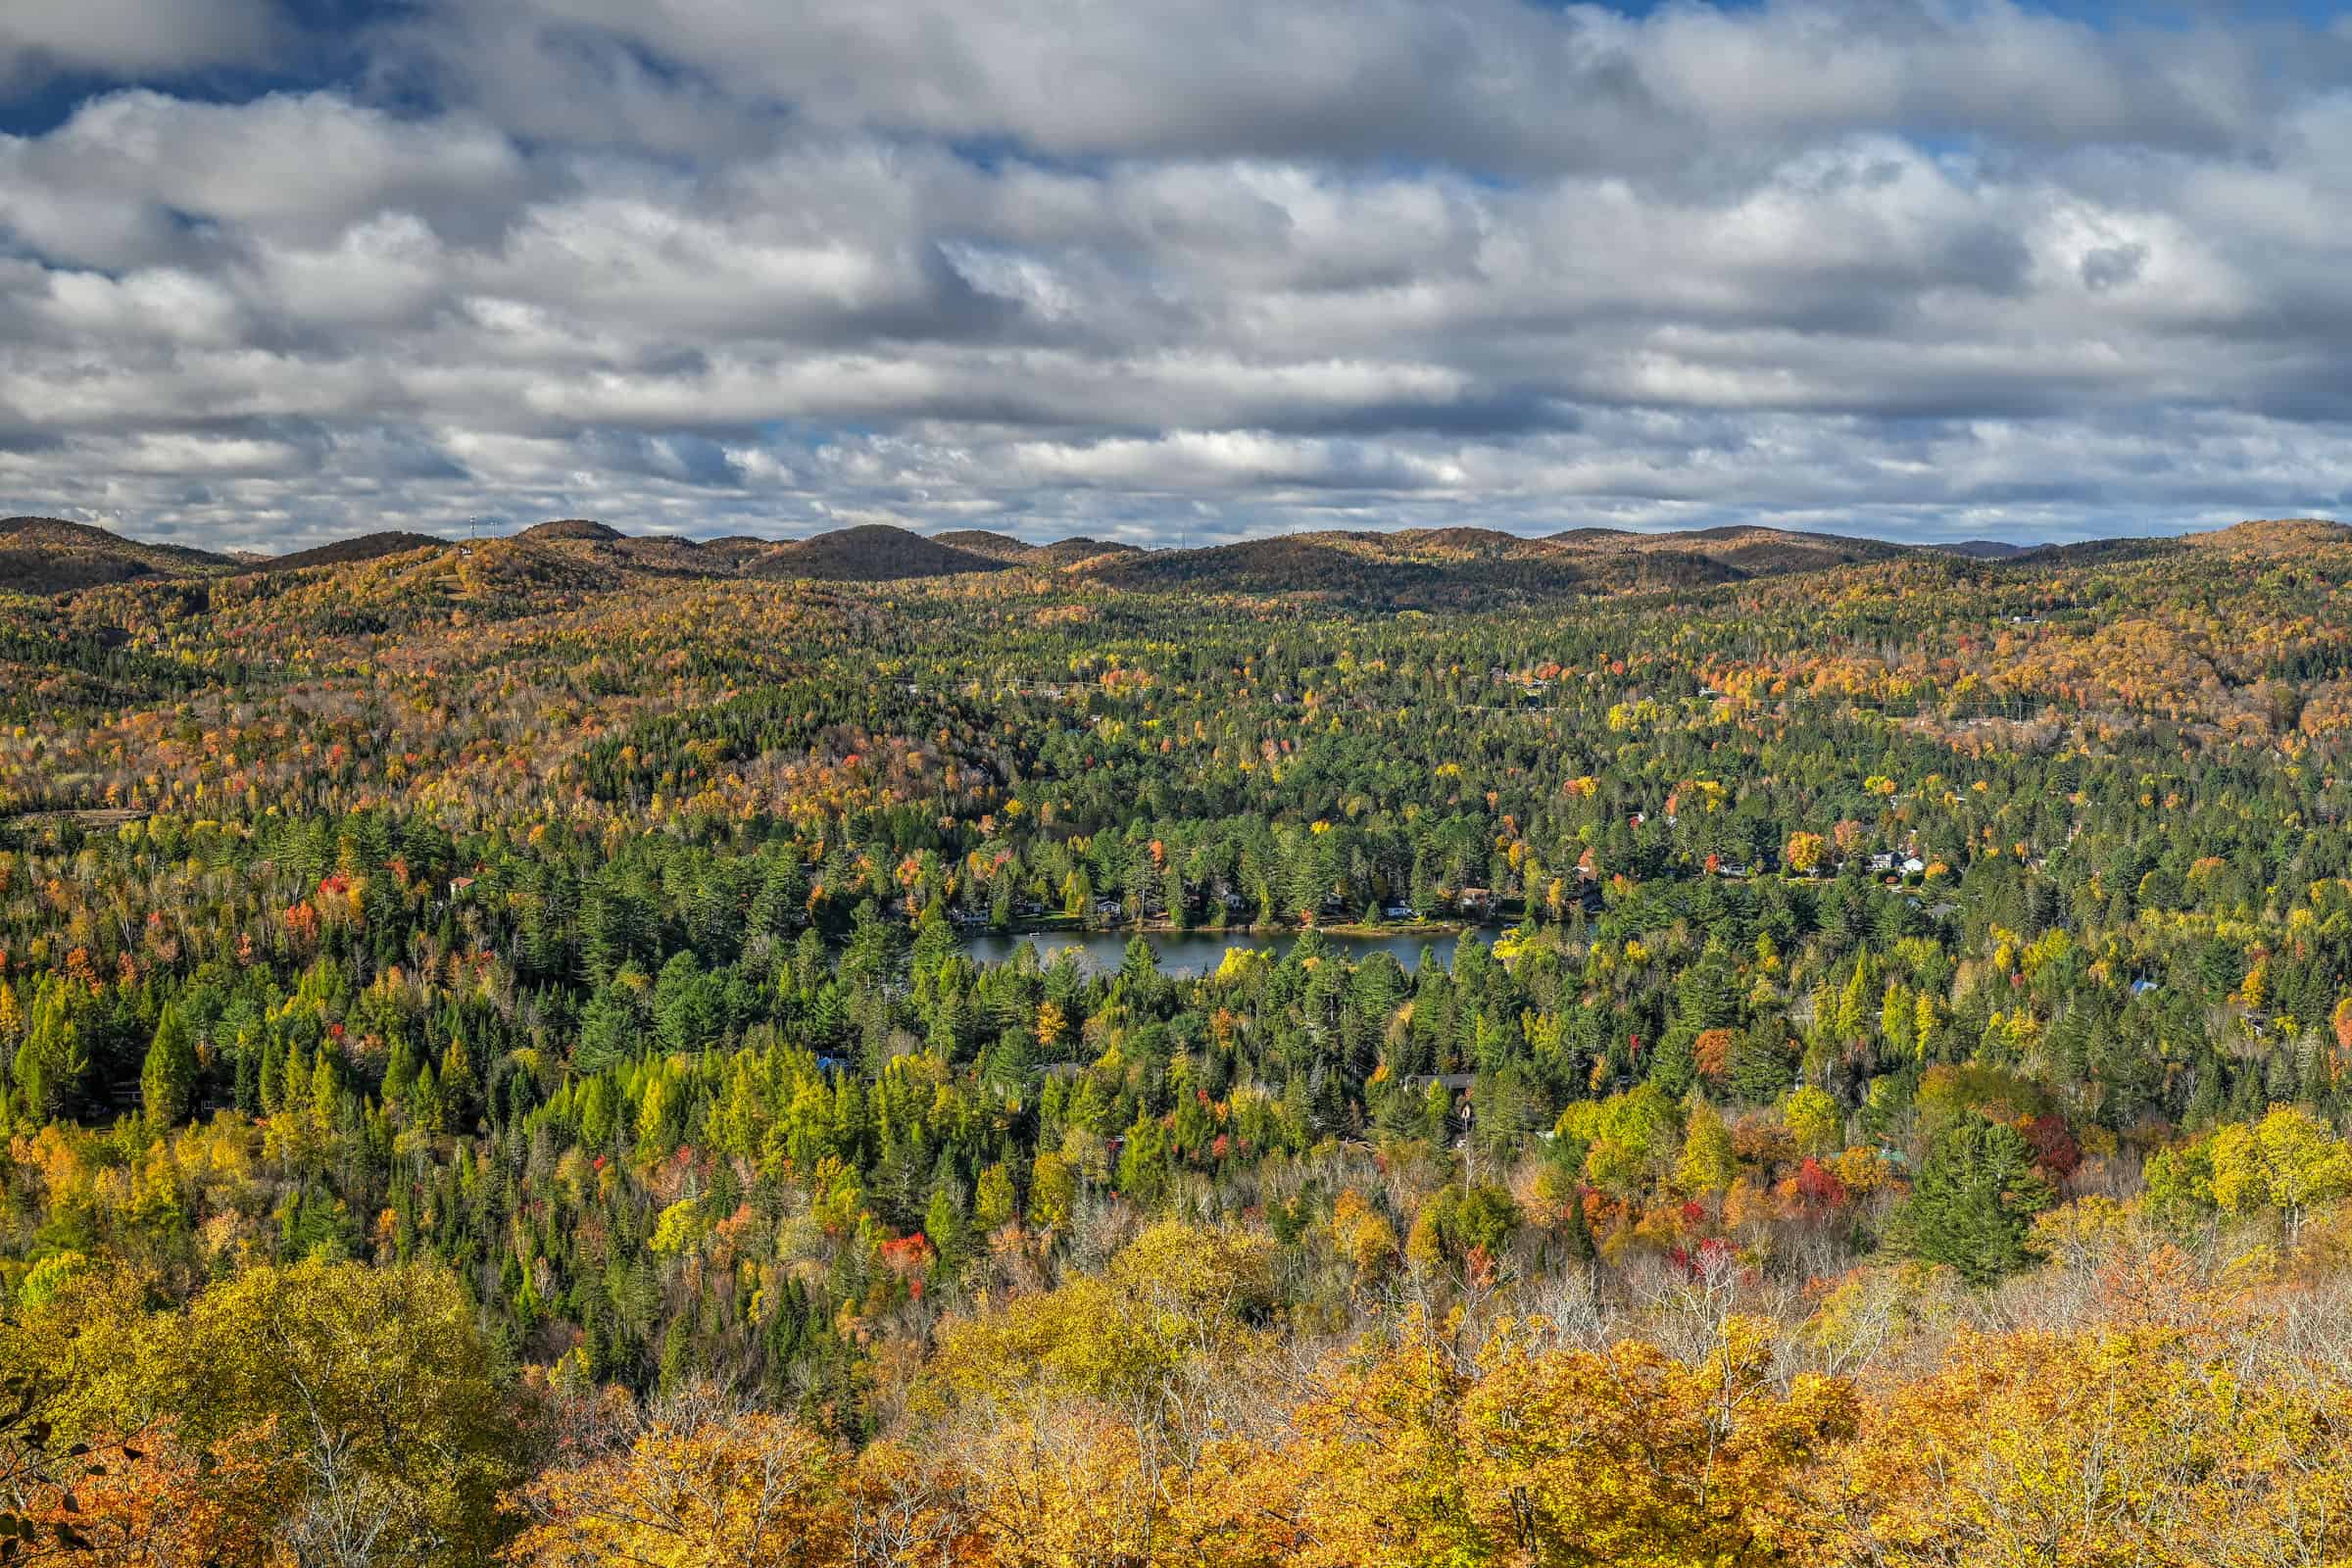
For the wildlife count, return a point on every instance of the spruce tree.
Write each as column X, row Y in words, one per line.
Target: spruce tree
column 1976, row 1197
column 167, row 1081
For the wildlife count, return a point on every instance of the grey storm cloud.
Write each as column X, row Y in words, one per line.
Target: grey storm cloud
column 1926, row 269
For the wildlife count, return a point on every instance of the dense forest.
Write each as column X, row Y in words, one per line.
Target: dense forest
column 493, row 1067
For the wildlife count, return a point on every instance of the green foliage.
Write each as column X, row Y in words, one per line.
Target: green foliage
column 167, row 1079
column 1974, row 1206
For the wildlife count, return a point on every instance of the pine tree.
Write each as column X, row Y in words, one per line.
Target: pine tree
column 943, row 1225
column 400, row 1071
column 325, row 1094
column 167, row 1081
column 52, row 1060
column 460, row 1089
column 271, row 1085
column 677, row 1355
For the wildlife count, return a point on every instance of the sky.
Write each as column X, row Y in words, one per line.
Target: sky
column 278, row 272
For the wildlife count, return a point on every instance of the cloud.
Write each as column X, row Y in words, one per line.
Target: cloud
column 1484, row 83
column 131, row 38
column 1930, row 269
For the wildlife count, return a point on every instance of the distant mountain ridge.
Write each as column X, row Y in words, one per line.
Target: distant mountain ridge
column 1459, row 564
column 52, row 555
column 871, row 552
column 367, row 547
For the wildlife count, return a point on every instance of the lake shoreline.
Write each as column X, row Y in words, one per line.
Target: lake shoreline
column 1161, row 928
column 1199, row 952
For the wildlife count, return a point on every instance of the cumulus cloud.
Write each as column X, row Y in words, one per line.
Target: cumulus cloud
column 1926, row 269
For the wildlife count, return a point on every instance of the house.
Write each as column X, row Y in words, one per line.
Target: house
column 1913, row 865
column 1399, row 912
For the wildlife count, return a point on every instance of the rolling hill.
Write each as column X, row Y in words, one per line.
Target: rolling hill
column 1459, row 565
column 1765, row 552
column 1078, row 551
column 1063, row 555
column 582, row 528
column 1310, row 563
column 367, row 547
column 982, row 542
column 2272, row 536
column 50, row 556
column 869, row 553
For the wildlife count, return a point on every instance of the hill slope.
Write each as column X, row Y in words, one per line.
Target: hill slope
column 1460, row 564
column 571, row 529
column 871, row 552
column 1458, row 567
column 2271, row 536
column 982, row 542
column 367, row 547
column 51, row 556
column 1076, row 552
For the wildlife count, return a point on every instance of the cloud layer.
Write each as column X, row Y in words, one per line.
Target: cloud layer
column 1922, row 269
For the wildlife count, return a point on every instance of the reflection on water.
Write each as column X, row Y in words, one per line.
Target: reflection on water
column 1197, row 952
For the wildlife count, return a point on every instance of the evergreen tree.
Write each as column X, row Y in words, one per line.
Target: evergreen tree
column 53, row 1059
column 1975, row 1197
column 167, row 1081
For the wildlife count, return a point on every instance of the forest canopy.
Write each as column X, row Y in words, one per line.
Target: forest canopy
column 497, row 1060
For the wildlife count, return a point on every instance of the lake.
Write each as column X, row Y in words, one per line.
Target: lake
column 1197, row 952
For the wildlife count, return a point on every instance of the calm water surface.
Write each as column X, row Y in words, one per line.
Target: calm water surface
column 1197, row 952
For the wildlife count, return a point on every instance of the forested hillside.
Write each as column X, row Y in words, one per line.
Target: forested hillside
column 492, row 1063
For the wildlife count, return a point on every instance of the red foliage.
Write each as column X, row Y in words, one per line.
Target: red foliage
column 910, row 1257
column 2054, row 1147
column 1819, row 1186
column 1709, row 1256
